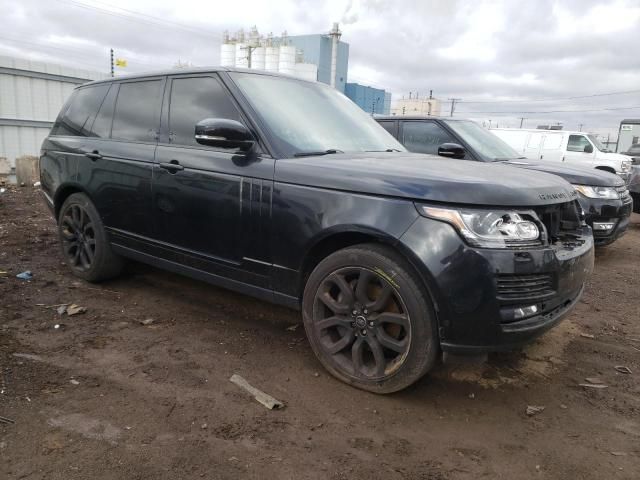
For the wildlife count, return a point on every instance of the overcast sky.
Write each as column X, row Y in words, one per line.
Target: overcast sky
column 508, row 56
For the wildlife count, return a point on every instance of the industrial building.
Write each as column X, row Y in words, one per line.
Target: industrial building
column 320, row 57
column 629, row 134
column 370, row 99
column 416, row 105
column 31, row 95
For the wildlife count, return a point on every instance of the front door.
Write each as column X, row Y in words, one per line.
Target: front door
column 579, row 150
column 211, row 205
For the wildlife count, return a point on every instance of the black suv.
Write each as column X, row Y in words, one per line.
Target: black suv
column 284, row 189
column 603, row 196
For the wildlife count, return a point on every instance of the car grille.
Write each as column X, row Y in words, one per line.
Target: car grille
column 524, row 288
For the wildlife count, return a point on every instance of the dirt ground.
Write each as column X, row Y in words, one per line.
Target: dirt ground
column 104, row 396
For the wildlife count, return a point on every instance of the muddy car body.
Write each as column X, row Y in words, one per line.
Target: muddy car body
column 285, row 190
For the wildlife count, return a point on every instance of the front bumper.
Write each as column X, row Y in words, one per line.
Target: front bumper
column 477, row 291
column 603, row 213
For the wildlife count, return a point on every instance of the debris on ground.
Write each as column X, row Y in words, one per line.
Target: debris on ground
column 293, row 328
column 622, row 369
column 591, row 385
column 59, row 326
column 534, row 409
column 147, row 321
column 74, row 309
column 618, row 454
column 61, row 309
column 587, row 335
column 26, row 275
column 28, row 356
column 6, row 420
column 263, row 398
column 73, row 381
column 37, row 184
column 3, row 273
column 594, row 380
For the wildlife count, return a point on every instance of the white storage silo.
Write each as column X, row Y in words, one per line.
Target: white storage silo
column 272, row 59
column 242, row 55
column 307, row 71
column 258, row 57
column 287, row 62
column 228, row 55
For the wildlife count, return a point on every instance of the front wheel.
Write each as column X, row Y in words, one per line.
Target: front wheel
column 369, row 319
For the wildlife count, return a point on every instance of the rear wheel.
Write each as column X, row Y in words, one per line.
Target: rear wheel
column 369, row 320
column 84, row 241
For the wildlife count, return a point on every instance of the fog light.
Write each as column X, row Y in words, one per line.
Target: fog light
column 603, row 226
column 523, row 312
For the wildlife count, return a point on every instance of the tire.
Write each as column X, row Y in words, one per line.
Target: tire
column 344, row 322
column 84, row 242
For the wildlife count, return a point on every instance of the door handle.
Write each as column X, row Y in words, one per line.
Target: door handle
column 93, row 155
column 172, row 167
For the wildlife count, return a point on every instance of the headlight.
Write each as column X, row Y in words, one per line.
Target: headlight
column 488, row 228
column 626, row 165
column 608, row 193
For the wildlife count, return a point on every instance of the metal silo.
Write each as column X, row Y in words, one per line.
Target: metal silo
column 227, row 51
column 287, row 63
column 242, row 52
column 271, row 55
column 307, row 71
column 258, row 58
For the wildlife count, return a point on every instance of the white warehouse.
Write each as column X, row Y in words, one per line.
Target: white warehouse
column 31, row 95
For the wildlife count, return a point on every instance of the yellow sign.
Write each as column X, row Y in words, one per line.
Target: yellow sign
column 120, row 62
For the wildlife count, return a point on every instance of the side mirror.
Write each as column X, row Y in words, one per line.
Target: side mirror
column 223, row 133
column 451, row 150
column 588, row 148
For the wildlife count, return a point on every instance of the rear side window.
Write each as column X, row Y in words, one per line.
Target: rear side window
column 137, row 111
column 78, row 117
column 424, row 137
column 102, row 124
column 195, row 99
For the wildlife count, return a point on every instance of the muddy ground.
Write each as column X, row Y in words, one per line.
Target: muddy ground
column 104, row 396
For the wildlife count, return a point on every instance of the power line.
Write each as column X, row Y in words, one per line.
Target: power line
column 555, row 111
column 626, row 92
column 148, row 19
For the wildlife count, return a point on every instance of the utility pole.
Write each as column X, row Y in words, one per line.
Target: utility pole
column 580, row 125
column 249, row 49
column 522, row 119
column 112, row 67
column 453, row 105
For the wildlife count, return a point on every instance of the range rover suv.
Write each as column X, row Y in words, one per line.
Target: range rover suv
column 284, row 189
column 603, row 196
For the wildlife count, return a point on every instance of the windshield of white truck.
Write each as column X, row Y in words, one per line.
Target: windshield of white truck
column 310, row 118
column 483, row 142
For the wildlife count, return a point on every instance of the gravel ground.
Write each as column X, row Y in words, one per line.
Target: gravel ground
column 104, row 396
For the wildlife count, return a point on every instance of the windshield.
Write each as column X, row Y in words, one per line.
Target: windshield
column 597, row 143
column 485, row 143
column 312, row 117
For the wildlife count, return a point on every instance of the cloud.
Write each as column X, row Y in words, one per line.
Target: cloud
column 504, row 53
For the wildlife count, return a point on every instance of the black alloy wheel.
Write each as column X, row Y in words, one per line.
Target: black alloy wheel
column 362, row 322
column 78, row 237
column 369, row 318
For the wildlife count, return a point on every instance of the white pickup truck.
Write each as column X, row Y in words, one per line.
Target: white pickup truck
column 565, row 146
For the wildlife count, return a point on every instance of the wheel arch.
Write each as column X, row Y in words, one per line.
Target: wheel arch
column 606, row 169
column 64, row 192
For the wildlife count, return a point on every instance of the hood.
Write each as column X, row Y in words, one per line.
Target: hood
column 572, row 173
column 417, row 176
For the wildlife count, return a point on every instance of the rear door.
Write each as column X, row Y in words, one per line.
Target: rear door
column 211, row 205
column 118, row 174
column 552, row 148
column 533, row 145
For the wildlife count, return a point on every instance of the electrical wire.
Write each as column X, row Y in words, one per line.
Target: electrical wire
column 551, row 111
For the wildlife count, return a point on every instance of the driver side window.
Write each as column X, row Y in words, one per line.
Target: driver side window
column 577, row 143
column 424, row 137
column 192, row 100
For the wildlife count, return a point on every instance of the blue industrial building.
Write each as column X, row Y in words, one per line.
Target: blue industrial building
column 317, row 49
column 371, row 100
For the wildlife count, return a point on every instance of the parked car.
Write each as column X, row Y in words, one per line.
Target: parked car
column 603, row 196
column 634, row 153
column 578, row 148
column 634, row 176
column 284, row 189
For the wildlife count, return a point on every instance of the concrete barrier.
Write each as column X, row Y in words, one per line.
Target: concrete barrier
column 27, row 170
column 5, row 170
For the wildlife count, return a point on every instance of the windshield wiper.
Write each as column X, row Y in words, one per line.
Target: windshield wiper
column 387, row 150
column 313, row 154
